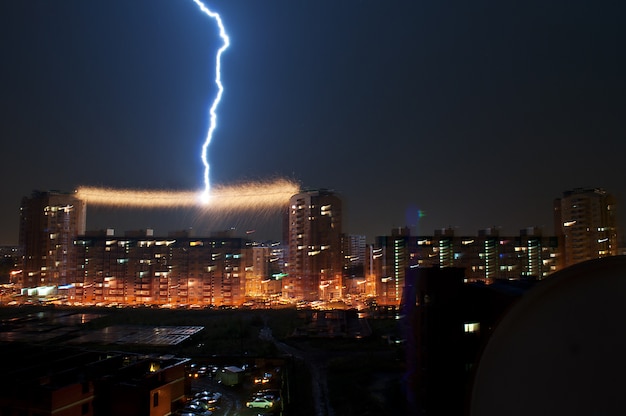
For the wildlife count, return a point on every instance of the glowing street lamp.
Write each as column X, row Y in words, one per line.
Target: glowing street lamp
column 323, row 287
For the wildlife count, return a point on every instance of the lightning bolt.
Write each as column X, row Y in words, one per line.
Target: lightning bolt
column 218, row 97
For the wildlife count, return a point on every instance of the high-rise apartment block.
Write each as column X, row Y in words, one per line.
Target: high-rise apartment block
column 149, row 270
column 354, row 255
column 139, row 267
column 395, row 254
column 585, row 224
column 49, row 223
column 485, row 257
column 264, row 275
column 353, row 247
column 315, row 263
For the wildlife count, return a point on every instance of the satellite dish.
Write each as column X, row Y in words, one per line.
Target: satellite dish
column 561, row 350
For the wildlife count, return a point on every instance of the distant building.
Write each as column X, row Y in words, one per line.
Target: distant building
column 62, row 260
column 315, row 263
column 396, row 254
column 585, row 224
column 486, row 257
column 265, row 273
column 10, row 263
column 143, row 269
column 354, row 255
column 353, row 248
column 258, row 272
column 538, row 254
column 49, row 223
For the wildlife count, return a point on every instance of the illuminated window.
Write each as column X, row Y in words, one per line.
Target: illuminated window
column 471, row 327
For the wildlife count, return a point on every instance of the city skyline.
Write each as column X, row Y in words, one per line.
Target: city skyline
column 420, row 115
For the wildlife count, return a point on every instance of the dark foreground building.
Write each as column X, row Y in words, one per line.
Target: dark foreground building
column 448, row 322
column 61, row 381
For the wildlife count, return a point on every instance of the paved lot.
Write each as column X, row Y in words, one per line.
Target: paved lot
column 234, row 398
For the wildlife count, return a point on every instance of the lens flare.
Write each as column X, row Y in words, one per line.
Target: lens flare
column 251, row 196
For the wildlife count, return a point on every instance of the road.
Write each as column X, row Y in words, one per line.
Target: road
column 232, row 402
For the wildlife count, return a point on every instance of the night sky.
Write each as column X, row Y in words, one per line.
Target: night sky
column 432, row 114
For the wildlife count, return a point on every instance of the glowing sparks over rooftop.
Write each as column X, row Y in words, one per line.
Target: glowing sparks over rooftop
column 249, row 196
column 218, row 97
column 255, row 196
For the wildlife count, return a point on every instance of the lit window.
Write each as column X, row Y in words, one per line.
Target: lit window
column 471, row 327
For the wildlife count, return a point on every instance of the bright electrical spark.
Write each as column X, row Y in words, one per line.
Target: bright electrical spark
column 252, row 196
column 249, row 196
column 218, row 97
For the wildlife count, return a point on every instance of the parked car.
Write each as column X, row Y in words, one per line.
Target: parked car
column 264, row 379
column 207, row 397
column 202, row 393
column 259, row 403
column 215, row 398
column 202, row 404
column 196, row 409
column 270, row 394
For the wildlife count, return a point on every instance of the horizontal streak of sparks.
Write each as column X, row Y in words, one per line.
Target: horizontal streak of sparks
column 249, row 196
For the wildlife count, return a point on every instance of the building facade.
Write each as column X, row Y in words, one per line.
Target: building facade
column 354, row 255
column 585, row 224
column 264, row 275
column 315, row 263
column 49, row 223
column 485, row 257
column 148, row 270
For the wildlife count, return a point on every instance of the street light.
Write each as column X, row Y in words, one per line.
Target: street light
column 360, row 287
column 385, row 280
column 323, row 287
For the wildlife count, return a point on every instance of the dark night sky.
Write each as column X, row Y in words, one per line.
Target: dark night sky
column 478, row 113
